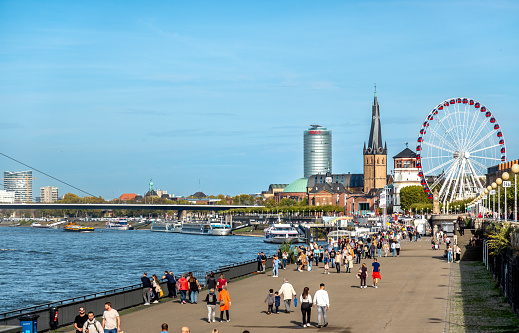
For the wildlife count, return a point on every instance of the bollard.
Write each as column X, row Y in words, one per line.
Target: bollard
column 53, row 317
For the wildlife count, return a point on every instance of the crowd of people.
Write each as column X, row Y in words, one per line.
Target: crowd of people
column 86, row 322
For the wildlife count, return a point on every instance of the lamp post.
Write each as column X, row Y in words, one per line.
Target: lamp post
column 499, row 181
column 489, row 189
column 486, row 198
column 515, row 170
column 494, row 185
column 505, row 176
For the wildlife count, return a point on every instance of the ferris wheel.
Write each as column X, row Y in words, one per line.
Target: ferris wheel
column 459, row 139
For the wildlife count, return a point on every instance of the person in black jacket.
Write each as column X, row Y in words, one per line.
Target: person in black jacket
column 211, row 281
column 146, row 287
column 172, row 290
column 211, row 299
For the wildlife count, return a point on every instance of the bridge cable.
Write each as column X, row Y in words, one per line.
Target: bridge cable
column 46, row 174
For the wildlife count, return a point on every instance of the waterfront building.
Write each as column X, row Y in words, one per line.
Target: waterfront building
column 375, row 154
column 296, row 190
column 327, row 193
column 49, row 194
column 350, row 181
column 405, row 173
column 6, row 197
column 317, row 150
column 273, row 189
column 20, row 183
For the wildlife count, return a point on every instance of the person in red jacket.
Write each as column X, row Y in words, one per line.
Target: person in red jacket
column 184, row 286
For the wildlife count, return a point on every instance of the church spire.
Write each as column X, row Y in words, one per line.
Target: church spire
column 375, row 145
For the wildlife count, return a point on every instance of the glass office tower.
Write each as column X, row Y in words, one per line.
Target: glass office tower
column 317, row 151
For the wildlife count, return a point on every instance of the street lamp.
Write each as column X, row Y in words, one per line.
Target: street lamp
column 494, row 185
column 486, row 192
column 505, row 176
column 499, row 181
column 515, row 170
column 489, row 189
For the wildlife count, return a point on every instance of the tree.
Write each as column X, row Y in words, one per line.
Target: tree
column 412, row 194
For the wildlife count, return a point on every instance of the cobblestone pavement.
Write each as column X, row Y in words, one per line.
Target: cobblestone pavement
column 476, row 304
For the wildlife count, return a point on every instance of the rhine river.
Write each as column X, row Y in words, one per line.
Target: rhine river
column 45, row 265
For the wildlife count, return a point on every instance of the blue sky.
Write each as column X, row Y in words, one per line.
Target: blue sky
column 108, row 94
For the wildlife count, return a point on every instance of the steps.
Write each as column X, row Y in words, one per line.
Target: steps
column 468, row 252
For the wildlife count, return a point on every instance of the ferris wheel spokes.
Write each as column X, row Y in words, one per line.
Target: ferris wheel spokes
column 475, row 151
column 438, row 147
column 442, row 138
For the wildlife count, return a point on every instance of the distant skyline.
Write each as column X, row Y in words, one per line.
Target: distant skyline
column 107, row 95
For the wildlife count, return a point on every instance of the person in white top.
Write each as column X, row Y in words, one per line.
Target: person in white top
column 111, row 319
column 306, row 306
column 287, row 290
column 322, row 302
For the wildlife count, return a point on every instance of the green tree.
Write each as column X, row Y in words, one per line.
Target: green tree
column 412, row 194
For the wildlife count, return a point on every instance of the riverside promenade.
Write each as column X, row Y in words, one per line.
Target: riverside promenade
column 412, row 297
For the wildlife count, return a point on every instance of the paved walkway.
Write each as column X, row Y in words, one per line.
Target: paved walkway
column 412, row 297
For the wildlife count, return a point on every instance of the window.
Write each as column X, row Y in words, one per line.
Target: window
column 398, row 164
column 364, row 206
column 321, row 179
column 342, row 179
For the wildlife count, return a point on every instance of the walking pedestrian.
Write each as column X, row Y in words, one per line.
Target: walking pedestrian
column 184, row 286
column 287, row 290
column 222, row 281
column 393, row 248
column 172, row 291
column 285, row 259
column 211, row 282
column 80, row 320
column 363, row 272
column 225, row 303
column 211, row 305
column 275, row 266
column 270, row 300
column 306, row 306
column 397, row 248
column 91, row 321
column 349, row 262
column 338, row 261
column 194, row 287
column 322, row 302
column 375, row 272
column 146, row 288
column 386, row 248
column 111, row 319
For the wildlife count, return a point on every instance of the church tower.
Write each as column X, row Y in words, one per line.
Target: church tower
column 375, row 155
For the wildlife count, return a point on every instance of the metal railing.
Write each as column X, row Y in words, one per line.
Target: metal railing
column 121, row 298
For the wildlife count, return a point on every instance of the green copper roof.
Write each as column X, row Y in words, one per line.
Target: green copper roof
column 297, row 186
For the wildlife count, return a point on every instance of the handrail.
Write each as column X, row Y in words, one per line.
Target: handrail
column 43, row 306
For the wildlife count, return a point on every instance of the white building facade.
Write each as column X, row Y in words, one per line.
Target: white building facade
column 405, row 173
column 6, row 197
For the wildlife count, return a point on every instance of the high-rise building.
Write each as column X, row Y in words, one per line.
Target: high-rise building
column 317, row 151
column 375, row 154
column 49, row 194
column 20, row 183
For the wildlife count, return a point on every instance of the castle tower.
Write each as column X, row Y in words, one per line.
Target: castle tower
column 375, row 155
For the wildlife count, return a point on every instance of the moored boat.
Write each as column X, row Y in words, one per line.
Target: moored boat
column 220, row 229
column 77, row 228
column 281, row 233
column 119, row 224
column 158, row 226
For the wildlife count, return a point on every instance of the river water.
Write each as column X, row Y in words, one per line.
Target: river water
column 45, row 265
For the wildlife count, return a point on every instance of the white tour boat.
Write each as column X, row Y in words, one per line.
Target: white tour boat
column 280, row 233
column 119, row 224
column 208, row 229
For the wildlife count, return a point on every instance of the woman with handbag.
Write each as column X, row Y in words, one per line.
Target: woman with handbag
column 157, row 290
column 194, row 287
column 225, row 303
column 306, row 306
